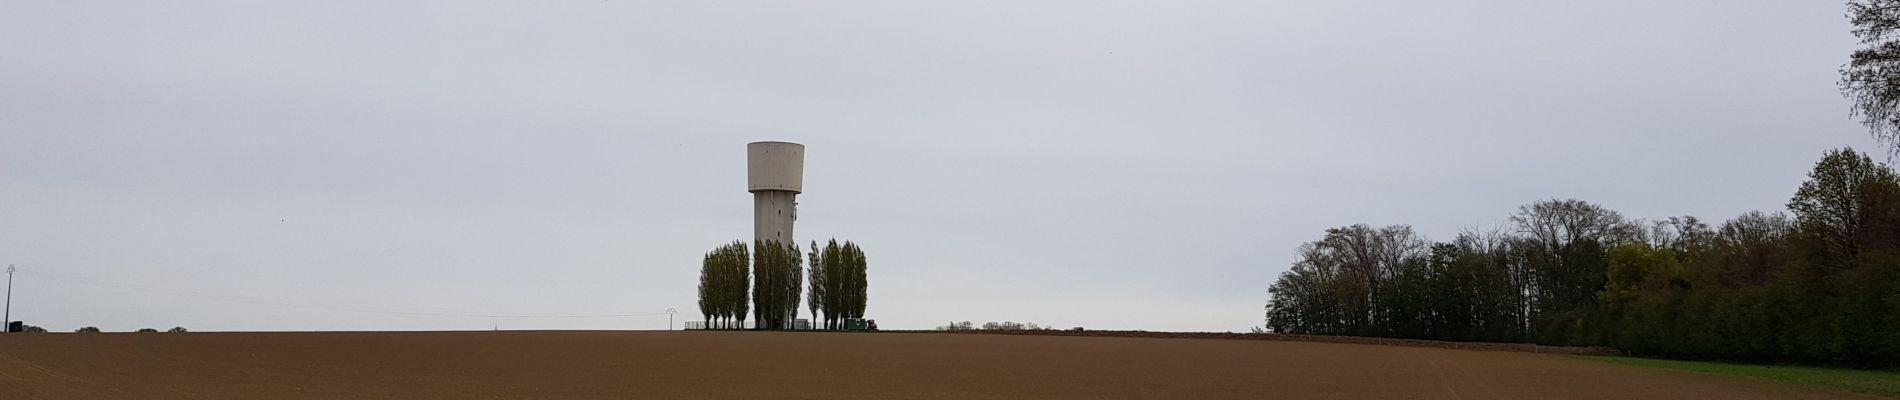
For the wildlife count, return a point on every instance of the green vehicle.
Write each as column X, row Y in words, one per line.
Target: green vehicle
column 860, row 324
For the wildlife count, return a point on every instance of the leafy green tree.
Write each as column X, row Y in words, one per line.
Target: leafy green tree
column 795, row 285
column 1639, row 274
column 832, row 262
column 1844, row 192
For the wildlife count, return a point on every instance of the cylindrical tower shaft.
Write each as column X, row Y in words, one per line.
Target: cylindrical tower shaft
column 775, row 174
column 774, row 211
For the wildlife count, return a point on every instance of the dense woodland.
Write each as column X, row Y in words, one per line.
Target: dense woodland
column 1817, row 284
column 770, row 280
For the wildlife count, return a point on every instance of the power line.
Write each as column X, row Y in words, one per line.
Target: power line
column 67, row 278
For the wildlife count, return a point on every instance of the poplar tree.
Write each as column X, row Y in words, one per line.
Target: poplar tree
column 815, row 297
column 835, row 283
column 855, row 274
column 708, row 286
column 723, row 284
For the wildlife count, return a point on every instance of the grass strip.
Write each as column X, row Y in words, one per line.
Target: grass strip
column 1883, row 383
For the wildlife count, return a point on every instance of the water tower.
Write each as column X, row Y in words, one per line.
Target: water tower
column 775, row 174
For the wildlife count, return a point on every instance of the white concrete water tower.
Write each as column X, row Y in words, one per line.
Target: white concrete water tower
column 775, row 174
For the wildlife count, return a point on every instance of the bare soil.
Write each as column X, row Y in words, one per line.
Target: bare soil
column 615, row 365
column 1438, row 344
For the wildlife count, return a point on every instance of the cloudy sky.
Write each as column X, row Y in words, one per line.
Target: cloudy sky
column 328, row 165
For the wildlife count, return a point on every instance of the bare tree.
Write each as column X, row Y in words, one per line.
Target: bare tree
column 1871, row 79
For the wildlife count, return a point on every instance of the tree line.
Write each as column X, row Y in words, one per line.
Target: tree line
column 770, row 280
column 1818, row 284
column 93, row 329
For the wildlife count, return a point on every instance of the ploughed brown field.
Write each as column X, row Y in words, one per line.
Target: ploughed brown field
column 621, row 365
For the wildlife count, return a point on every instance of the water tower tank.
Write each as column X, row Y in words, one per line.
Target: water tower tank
column 775, row 174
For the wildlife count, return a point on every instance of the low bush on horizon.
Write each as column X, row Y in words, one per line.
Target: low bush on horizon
column 995, row 326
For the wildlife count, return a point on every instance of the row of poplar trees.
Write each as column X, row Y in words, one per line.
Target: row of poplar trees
column 723, row 280
column 837, row 283
column 769, row 282
column 1819, row 284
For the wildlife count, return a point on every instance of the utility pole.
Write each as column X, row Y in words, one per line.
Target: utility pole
column 7, row 326
column 669, row 316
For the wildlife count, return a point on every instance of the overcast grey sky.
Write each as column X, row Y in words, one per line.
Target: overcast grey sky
column 1132, row 165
